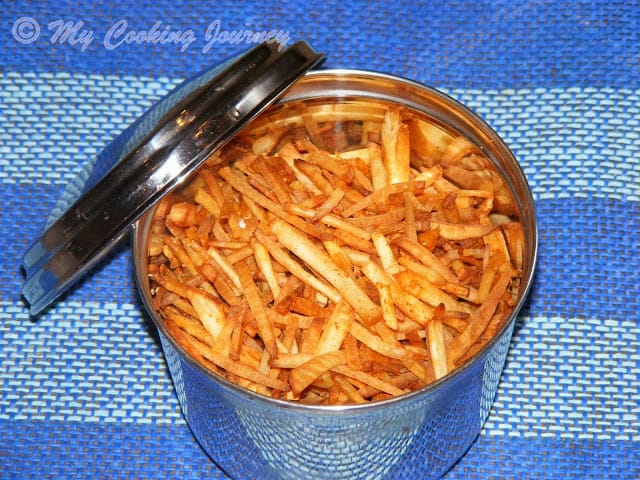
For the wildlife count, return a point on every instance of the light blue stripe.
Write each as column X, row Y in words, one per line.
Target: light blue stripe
column 565, row 378
column 570, row 142
column 83, row 362
column 570, row 378
column 53, row 123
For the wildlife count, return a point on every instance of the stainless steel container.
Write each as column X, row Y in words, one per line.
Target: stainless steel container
column 417, row 435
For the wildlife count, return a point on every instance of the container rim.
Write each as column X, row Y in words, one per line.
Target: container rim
column 140, row 228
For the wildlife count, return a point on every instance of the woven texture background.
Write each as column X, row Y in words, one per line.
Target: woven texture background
column 85, row 392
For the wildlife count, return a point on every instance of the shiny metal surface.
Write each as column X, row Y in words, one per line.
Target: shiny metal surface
column 251, row 436
column 153, row 156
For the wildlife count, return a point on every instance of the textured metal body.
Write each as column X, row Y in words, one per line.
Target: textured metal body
column 251, row 436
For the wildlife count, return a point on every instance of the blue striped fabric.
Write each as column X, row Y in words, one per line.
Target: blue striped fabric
column 85, row 392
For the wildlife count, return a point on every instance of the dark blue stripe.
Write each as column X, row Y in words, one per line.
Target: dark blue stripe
column 63, row 450
column 588, row 265
column 47, row 450
column 482, row 44
column 553, row 459
column 571, row 230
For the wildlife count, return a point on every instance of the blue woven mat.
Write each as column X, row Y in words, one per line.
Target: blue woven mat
column 84, row 391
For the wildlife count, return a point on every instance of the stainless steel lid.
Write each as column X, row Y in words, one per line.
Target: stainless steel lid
column 153, row 156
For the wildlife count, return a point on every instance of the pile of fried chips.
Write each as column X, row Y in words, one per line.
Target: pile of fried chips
column 337, row 261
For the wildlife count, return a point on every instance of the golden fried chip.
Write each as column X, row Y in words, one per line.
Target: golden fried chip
column 303, row 375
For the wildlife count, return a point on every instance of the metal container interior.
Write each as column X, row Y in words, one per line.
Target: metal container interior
column 417, row 435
